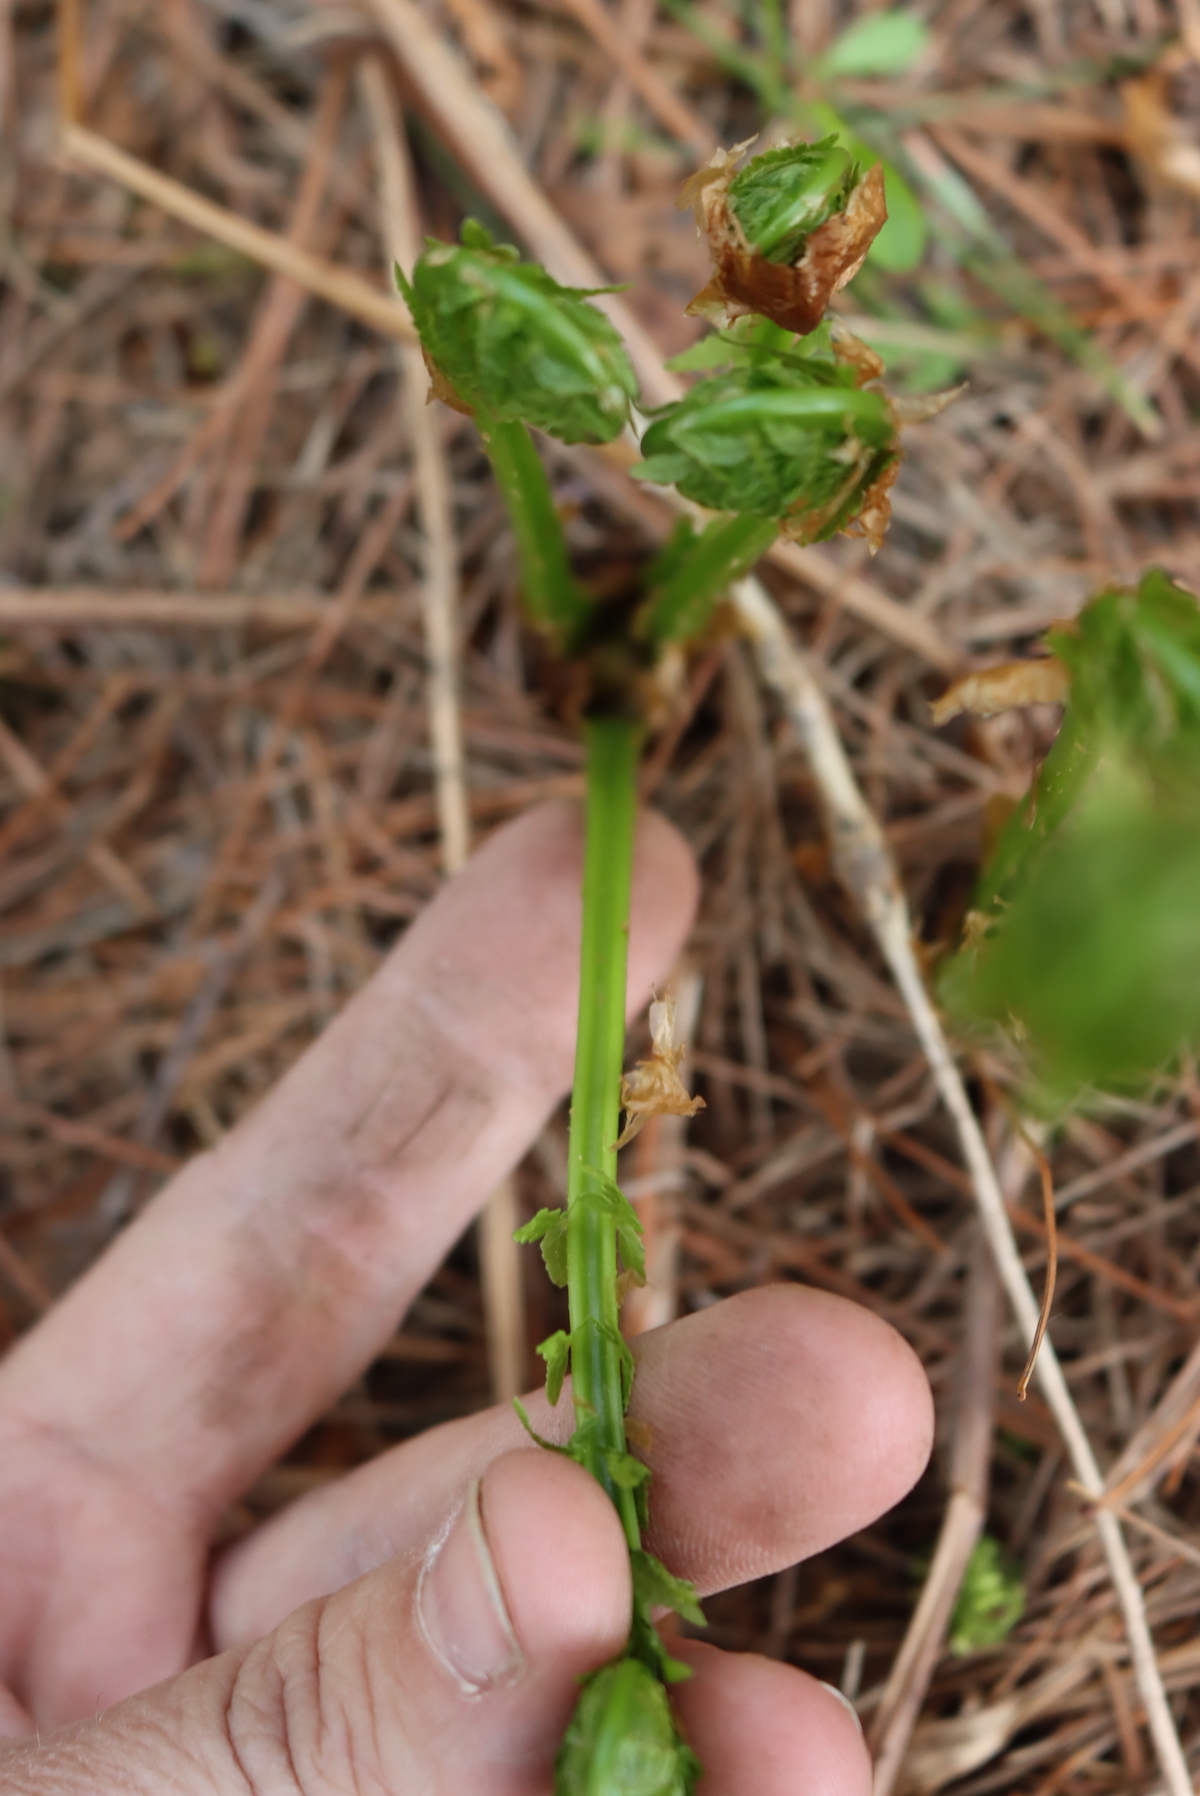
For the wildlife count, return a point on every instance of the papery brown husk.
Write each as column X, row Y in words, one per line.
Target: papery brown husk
column 653, row 1087
column 805, row 523
column 876, row 514
column 440, row 388
column 991, row 690
column 1161, row 122
column 795, row 298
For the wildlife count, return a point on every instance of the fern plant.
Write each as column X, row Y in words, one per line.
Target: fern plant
column 787, row 431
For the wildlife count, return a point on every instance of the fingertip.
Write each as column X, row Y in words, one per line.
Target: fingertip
column 897, row 1407
column 757, row 1724
column 560, row 1559
column 830, row 1411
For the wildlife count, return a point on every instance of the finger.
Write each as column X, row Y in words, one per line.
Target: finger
column 779, row 1421
column 740, row 1710
column 261, row 1281
column 15, row 1719
column 449, row 1671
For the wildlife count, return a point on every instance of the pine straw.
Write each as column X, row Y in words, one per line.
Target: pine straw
column 214, row 825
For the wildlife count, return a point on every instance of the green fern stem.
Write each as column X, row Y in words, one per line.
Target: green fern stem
column 552, row 597
column 727, row 548
column 612, row 760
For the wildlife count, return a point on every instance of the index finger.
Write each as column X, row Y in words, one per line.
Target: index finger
column 265, row 1276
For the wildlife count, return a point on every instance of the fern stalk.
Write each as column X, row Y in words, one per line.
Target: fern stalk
column 552, row 596
column 612, row 745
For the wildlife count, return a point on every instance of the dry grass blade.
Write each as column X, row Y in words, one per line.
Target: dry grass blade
column 659, row 96
column 39, row 609
column 962, row 1525
column 339, row 286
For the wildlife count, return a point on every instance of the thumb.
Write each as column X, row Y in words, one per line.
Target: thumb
column 454, row 1671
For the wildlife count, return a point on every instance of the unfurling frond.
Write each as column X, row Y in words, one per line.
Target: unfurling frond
column 503, row 338
column 787, row 433
column 785, row 232
column 623, row 1738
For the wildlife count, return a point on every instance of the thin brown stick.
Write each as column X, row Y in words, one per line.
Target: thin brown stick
column 338, row 286
column 172, row 1069
column 73, row 1133
column 1186, row 1310
column 38, row 608
column 1043, row 1321
column 371, row 547
column 479, row 134
column 35, row 782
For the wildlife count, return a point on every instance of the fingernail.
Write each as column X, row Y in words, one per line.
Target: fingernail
column 461, row 1609
column 844, row 1700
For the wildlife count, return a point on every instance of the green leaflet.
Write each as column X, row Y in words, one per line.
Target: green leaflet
column 646, row 1644
column 655, row 1587
column 754, row 342
column 511, row 342
column 556, row 1351
column 549, row 1227
column 531, row 1431
column 784, row 439
column 900, row 244
column 688, row 578
column 626, row 1471
column 1085, row 943
column 782, row 196
column 622, row 1740
column 605, row 1198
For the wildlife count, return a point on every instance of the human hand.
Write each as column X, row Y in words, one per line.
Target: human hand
column 420, row 1625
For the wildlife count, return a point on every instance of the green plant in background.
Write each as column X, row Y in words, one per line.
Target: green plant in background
column 1084, row 942
column 991, row 1600
column 784, row 434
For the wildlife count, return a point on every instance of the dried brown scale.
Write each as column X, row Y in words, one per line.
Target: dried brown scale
column 744, row 282
column 654, row 1087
